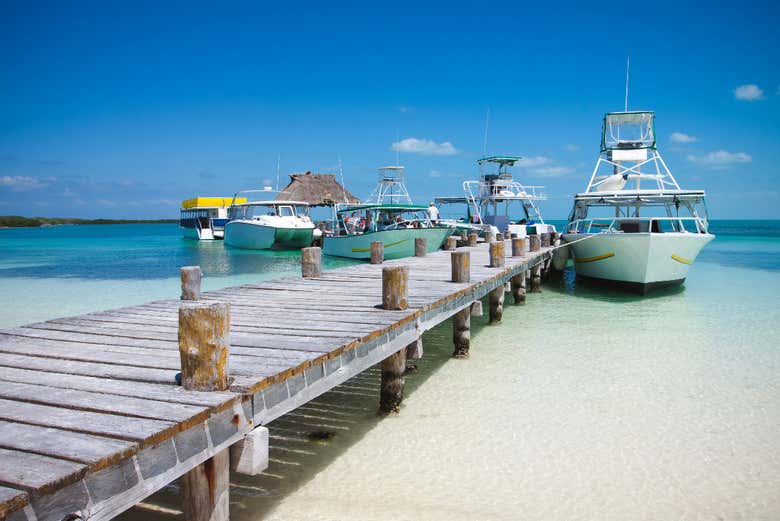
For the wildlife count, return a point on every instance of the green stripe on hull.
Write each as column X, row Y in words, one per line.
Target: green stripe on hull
column 397, row 243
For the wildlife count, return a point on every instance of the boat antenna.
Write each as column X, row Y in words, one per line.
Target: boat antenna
column 397, row 147
column 278, row 168
column 343, row 186
column 487, row 123
column 628, row 62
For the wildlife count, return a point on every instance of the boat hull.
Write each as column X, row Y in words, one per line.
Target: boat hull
column 397, row 243
column 639, row 261
column 254, row 236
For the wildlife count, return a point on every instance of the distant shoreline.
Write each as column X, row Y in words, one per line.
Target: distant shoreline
column 16, row 221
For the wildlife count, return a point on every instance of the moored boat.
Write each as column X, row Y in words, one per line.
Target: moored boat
column 266, row 224
column 637, row 237
column 496, row 202
column 395, row 225
column 204, row 218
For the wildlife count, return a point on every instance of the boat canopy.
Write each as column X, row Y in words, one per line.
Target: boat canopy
column 628, row 130
column 501, row 160
column 641, row 197
column 209, row 202
column 391, row 207
column 270, row 203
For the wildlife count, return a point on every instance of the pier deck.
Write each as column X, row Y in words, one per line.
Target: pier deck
column 92, row 422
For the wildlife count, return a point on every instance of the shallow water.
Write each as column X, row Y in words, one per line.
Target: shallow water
column 582, row 404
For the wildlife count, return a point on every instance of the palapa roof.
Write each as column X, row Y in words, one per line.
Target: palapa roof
column 317, row 190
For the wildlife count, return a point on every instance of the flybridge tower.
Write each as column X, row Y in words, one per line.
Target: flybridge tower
column 391, row 188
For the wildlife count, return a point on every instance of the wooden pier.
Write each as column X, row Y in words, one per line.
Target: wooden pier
column 92, row 419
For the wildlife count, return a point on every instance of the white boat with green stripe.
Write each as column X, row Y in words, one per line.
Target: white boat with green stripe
column 395, row 225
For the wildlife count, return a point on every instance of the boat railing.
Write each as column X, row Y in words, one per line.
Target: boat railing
column 618, row 225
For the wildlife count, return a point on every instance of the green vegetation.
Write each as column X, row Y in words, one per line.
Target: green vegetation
column 16, row 221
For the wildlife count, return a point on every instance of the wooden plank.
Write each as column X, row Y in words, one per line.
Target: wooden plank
column 94, row 451
column 169, row 393
column 36, row 473
column 98, row 402
column 121, row 427
column 12, row 499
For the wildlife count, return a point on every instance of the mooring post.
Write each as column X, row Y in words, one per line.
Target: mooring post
column 518, row 288
column 546, row 240
column 535, row 242
column 489, row 237
column 452, row 243
column 190, row 282
column 395, row 290
column 461, row 333
column 420, row 246
column 536, row 279
column 377, row 252
column 518, row 247
column 497, row 254
column 204, row 340
column 473, row 239
column 461, row 266
column 507, row 234
column 311, row 262
column 496, row 298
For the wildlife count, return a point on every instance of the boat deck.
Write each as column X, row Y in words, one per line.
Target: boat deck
column 92, row 422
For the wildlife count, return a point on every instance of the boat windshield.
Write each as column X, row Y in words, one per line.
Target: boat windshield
column 626, row 130
column 251, row 211
column 367, row 220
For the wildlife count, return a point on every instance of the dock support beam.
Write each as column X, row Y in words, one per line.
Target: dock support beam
column 204, row 339
column 536, row 279
column 250, row 455
column 311, row 262
column 518, row 288
column 461, row 333
column 190, row 282
column 496, row 298
column 420, row 246
column 391, row 392
column 377, row 252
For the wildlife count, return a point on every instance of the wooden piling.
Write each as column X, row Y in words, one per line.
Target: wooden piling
column 518, row 289
column 496, row 298
column 461, row 333
column 391, row 391
column 534, row 242
column 461, row 266
column 518, row 247
column 507, row 234
column 395, row 287
column 420, row 246
column 377, row 252
column 497, row 254
column 311, row 262
column 545, row 240
column 204, row 338
column 473, row 239
column 536, row 279
column 489, row 237
column 452, row 243
column 190, row 282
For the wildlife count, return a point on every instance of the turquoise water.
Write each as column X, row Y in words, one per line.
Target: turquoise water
column 583, row 404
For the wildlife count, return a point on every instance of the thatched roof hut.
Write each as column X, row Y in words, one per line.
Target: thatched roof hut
column 316, row 189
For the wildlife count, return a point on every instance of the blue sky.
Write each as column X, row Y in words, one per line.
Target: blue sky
column 123, row 111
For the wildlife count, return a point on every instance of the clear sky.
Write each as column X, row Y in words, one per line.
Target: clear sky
column 123, row 109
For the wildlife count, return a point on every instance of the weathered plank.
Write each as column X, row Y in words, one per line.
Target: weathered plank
column 11, row 499
column 36, row 473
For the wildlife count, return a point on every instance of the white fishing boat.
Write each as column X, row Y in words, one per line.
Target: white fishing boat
column 266, row 224
column 204, row 218
column 633, row 225
column 497, row 202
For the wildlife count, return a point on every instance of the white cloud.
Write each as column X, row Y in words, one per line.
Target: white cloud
column 18, row 183
column 749, row 92
column 403, row 109
column 571, row 147
column 552, row 171
column 679, row 137
column 530, row 162
column 425, row 147
column 434, row 173
column 720, row 159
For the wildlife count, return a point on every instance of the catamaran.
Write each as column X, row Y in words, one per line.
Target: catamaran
column 204, row 218
column 266, row 224
column 649, row 230
column 492, row 198
column 391, row 218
